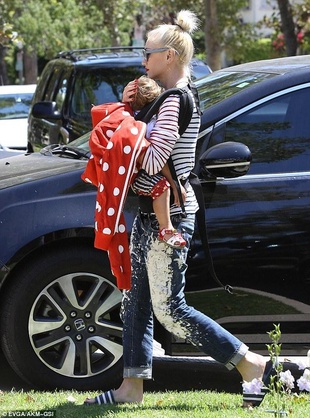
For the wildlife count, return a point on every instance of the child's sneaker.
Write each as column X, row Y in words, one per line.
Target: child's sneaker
column 171, row 237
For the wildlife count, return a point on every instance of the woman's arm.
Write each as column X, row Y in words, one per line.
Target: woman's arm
column 167, row 173
column 163, row 136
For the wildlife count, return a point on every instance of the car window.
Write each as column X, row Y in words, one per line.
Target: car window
column 57, row 87
column 219, row 85
column 15, row 106
column 99, row 86
column 277, row 133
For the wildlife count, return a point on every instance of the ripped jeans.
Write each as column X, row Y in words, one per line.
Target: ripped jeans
column 158, row 281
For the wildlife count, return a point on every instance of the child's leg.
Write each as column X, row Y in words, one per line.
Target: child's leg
column 161, row 207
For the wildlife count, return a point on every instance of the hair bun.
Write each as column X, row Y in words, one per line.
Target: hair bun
column 187, row 21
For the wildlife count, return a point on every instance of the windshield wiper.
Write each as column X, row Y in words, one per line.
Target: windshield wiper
column 66, row 151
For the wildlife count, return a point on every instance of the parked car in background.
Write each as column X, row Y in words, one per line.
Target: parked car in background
column 58, row 298
column 8, row 152
column 70, row 84
column 14, row 108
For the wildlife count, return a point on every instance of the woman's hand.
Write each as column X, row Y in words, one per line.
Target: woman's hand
column 130, row 91
column 176, row 194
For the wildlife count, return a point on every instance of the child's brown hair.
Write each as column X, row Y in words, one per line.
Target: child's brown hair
column 147, row 91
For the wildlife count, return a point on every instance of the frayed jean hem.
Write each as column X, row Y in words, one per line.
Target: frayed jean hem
column 138, row 373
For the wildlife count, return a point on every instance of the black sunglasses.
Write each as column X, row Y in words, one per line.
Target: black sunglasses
column 148, row 51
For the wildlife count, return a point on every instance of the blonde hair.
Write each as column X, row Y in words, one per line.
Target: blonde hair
column 177, row 36
column 147, row 91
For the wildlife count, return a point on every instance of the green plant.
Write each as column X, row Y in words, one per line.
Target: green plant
column 276, row 387
column 281, row 382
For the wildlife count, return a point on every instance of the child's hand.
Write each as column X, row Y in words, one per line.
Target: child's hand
column 130, row 91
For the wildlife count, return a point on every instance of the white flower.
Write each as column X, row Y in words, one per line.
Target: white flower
column 71, row 399
column 301, row 365
column 287, row 379
column 254, row 386
column 304, row 382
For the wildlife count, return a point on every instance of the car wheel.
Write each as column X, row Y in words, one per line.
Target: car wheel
column 60, row 321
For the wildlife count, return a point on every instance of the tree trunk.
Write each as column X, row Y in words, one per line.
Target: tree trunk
column 30, row 67
column 213, row 47
column 3, row 70
column 288, row 27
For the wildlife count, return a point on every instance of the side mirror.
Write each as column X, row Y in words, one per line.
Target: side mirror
column 228, row 160
column 45, row 110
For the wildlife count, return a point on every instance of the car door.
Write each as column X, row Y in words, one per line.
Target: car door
column 259, row 224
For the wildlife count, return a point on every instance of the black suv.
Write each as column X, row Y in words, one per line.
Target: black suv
column 70, row 84
column 59, row 305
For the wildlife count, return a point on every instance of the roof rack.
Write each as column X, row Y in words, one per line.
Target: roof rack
column 78, row 54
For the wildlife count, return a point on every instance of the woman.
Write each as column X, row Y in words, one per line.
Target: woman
column 158, row 272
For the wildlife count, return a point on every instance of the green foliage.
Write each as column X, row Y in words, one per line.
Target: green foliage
column 253, row 50
column 49, row 26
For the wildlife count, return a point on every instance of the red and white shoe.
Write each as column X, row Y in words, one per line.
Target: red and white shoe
column 171, row 237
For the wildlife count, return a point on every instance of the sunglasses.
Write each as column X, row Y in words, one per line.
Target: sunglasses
column 148, row 51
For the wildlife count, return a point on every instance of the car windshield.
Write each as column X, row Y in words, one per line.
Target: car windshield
column 82, row 142
column 15, row 106
column 213, row 88
column 221, row 85
column 103, row 85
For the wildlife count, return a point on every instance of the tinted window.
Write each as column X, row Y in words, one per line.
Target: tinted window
column 277, row 133
column 103, row 85
column 57, row 87
column 218, row 86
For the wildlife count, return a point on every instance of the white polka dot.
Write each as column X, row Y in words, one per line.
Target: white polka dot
column 116, row 191
column 87, row 180
column 111, row 211
column 120, row 249
column 110, row 145
column 101, row 188
column 98, row 207
column 106, row 231
column 127, row 149
column 121, row 228
column 105, row 167
column 134, row 130
column 121, row 269
column 109, row 133
column 121, row 170
column 96, row 226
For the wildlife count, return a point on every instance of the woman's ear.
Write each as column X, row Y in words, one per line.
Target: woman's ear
column 170, row 55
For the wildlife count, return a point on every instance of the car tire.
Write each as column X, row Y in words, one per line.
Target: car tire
column 60, row 321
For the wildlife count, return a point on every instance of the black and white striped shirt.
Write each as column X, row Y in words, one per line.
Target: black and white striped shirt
column 165, row 140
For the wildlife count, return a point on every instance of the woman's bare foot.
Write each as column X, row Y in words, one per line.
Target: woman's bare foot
column 252, row 366
column 130, row 391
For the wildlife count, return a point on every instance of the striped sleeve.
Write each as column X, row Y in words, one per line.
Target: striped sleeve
column 163, row 136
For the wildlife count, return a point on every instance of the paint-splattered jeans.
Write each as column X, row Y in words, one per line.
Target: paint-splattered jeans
column 158, row 280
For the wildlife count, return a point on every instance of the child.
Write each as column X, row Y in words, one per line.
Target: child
column 116, row 143
column 158, row 185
